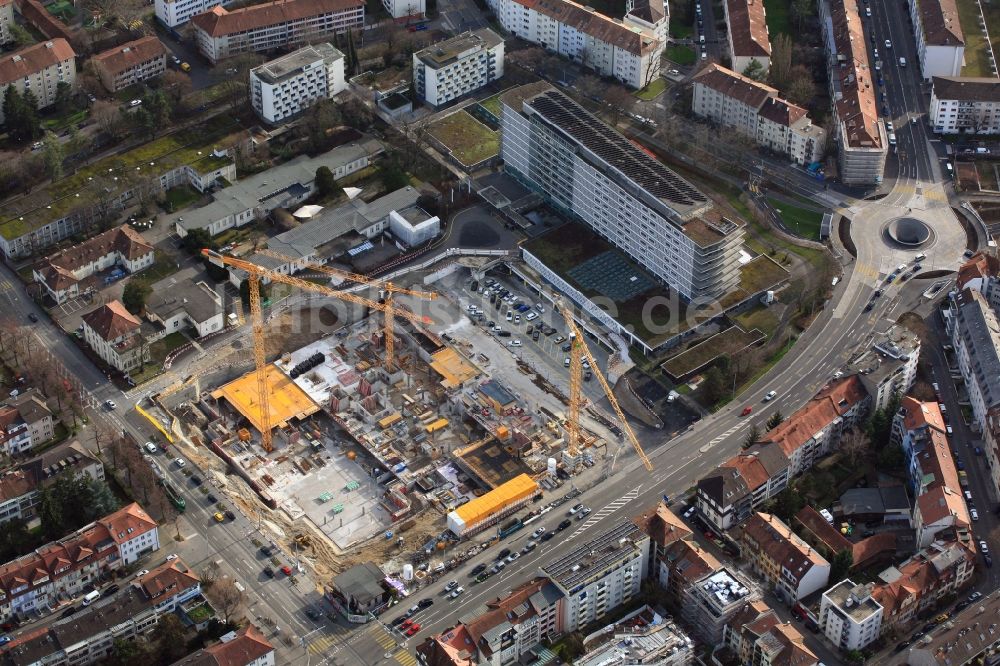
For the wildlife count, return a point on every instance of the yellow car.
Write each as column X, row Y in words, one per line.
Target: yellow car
column 186, row 67
column 219, row 517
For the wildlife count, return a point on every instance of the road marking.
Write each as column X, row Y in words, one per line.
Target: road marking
column 723, row 436
column 606, row 510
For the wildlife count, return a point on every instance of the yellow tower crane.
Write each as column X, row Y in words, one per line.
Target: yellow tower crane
column 578, row 352
column 255, row 273
column 389, row 288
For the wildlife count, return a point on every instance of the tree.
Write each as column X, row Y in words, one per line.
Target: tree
column 108, row 119
column 196, row 240
column 170, row 638
column 128, row 653
column 64, row 97
column 15, row 539
column 72, row 501
column 714, row 386
column 319, row 119
column 776, row 420
column 134, row 296
column 326, row 184
column 801, row 88
column 392, row 173
column 177, row 85
column 226, row 598
column 357, row 114
column 20, row 35
column 788, row 503
column 620, row 101
column 53, row 153
column 841, row 565
column 781, row 60
column 854, row 444
column 755, row 70
column 802, row 12
column 752, row 437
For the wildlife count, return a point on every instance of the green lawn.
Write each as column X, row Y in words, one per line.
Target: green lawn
column 761, row 317
column 492, row 104
column 680, row 30
column 469, row 141
column 977, row 61
column 777, row 18
column 57, row 124
column 802, row 222
column 653, row 90
column 181, row 197
column 730, row 341
column 682, row 55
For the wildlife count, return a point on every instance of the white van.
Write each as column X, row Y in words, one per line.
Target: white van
column 892, row 139
column 902, row 62
column 91, row 597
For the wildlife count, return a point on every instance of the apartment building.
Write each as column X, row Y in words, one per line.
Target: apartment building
column 815, row 429
column 664, row 528
column 939, row 37
column 20, row 488
column 61, row 569
column 453, row 68
column 889, row 366
column 600, row 575
column 641, row 637
column 755, row 110
column 746, row 31
column 506, row 630
column 919, row 429
column 714, row 600
column 284, row 186
column 285, row 87
column 975, row 334
column 178, row 305
column 849, row 616
column 730, row 493
column 6, row 19
column 72, row 271
column 653, row 15
column 91, row 635
column 220, row 33
column 115, row 336
column 757, row 636
column 682, row 565
column 907, row 591
column 586, row 168
column 861, row 139
column 39, row 68
column 965, row 105
column 25, row 422
column 173, row 13
column 405, row 8
column 245, row 647
column 627, row 50
column 961, row 641
column 791, row 567
column 131, row 63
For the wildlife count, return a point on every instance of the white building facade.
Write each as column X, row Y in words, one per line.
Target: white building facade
column 965, row 105
column 650, row 213
column 6, row 18
column 173, row 13
column 939, row 37
column 445, row 71
column 405, row 8
column 39, row 68
column 849, row 617
column 283, row 88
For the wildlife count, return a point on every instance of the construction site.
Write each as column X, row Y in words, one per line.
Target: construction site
column 378, row 433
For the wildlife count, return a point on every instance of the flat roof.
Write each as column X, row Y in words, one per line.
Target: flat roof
column 592, row 557
column 290, row 65
column 451, row 50
column 285, row 400
column 454, row 369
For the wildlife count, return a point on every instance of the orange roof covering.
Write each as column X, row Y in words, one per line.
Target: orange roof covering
column 663, row 526
column 817, row 414
column 980, row 266
column 938, row 503
column 869, row 549
column 919, row 415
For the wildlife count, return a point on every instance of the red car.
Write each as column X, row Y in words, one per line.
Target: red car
column 287, row 570
column 414, row 628
column 746, row 411
column 406, row 623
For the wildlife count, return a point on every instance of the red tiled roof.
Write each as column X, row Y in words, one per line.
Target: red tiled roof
column 767, row 533
column 781, row 111
column 980, row 265
column 831, row 403
column 872, row 548
column 128, row 55
column 941, row 24
column 111, row 321
column 218, row 21
column 663, row 526
column 499, row 608
column 739, row 87
column 748, row 28
column 33, row 59
column 920, row 415
column 595, row 24
column 35, row 13
column 857, row 109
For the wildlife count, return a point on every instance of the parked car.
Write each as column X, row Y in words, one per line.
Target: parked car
column 564, row 524
column 269, row 572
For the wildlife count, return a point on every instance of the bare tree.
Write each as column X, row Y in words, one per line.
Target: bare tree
column 210, row 574
column 855, row 445
column 226, row 598
column 781, row 61
column 620, row 101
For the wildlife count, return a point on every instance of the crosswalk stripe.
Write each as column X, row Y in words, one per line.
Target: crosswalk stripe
column 405, row 658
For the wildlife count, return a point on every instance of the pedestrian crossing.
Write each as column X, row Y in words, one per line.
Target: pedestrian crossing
column 405, row 658
column 722, row 437
column 333, row 642
column 607, row 510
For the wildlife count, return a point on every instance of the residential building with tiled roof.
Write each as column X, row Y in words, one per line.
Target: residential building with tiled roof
column 975, row 334
column 917, row 585
column 41, row 68
column 20, row 488
column 6, row 19
column 792, row 567
column 861, row 137
column 665, row 529
column 755, row 110
column 245, row 647
column 173, row 13
column 746, row 31
column 888, row 367
column 63, row 568
column 729, row 494
column 25, row 422
column 939, row 37
column 814, row 430
column 221, row 33
column 130, row 63
column 627, row 50
column 969, row 637
column 965, row 105
column 508, row 627
column 682, row 564
column 65, row 274
column 89, row 636
column 115, row 335
column 869, row 551
column 756, row 635
column 654, row 15
column 850, row 617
